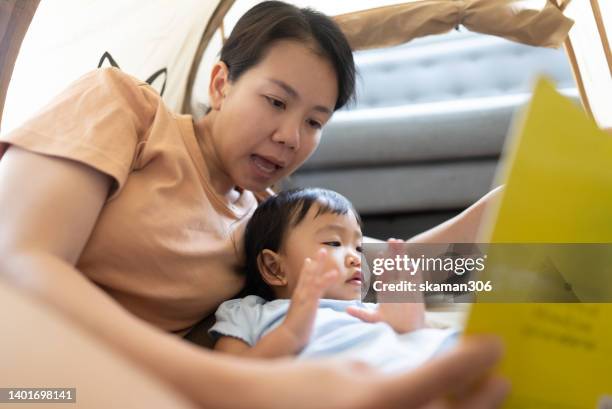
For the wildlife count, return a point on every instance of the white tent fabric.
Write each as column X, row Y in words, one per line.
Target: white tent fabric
column 152, row 39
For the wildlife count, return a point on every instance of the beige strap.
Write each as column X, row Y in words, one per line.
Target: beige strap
column 397, row 24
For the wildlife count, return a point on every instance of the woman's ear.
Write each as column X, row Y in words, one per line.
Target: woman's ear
column 219, row 84
column 269, row 265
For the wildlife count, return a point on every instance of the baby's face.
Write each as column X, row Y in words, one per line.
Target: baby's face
column 341, row 236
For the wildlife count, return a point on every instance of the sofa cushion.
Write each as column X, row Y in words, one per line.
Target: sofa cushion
column 430, row 121
column 396, row 189
column 450, row 96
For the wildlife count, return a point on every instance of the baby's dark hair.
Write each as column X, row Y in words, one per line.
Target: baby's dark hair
column 272, row 220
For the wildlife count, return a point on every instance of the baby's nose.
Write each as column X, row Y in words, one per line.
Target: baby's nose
column 354, row 260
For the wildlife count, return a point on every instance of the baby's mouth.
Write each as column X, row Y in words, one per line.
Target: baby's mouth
column 356, row 278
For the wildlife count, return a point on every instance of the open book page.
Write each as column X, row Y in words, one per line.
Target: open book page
column 558, row 189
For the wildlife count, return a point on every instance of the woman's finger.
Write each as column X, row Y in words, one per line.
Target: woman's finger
column 395, row 246
column 489, row 395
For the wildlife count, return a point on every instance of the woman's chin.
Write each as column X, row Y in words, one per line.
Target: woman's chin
column 256, row 184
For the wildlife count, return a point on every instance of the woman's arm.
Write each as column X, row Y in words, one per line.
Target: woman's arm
column 49, row 351
column 462, row 228
column 48, row 208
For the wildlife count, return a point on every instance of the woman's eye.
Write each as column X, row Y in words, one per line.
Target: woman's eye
column 314, row 124
column 276, row 103
column 333, row 243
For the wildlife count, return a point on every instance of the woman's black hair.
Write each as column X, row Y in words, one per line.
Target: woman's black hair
column 271, row 21
column 272, row 220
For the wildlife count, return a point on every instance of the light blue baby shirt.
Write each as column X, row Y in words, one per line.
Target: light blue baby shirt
column 335, row 333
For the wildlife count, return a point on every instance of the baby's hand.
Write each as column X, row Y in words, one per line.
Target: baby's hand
column 402, row 317
column 310, row 288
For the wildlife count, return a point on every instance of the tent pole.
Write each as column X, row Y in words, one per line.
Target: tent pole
column 216, row 21
column 15, row 18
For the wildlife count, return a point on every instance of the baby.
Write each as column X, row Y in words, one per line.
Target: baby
column 303, row 255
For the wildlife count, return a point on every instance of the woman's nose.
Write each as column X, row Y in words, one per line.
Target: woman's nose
column 288, row 135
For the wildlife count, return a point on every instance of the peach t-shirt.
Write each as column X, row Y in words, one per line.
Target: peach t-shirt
column 165, row 245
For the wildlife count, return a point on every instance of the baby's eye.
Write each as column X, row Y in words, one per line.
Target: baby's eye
column 333, row 243
column 276, row 103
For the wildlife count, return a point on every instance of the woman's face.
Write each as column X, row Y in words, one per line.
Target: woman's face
column 268, row 122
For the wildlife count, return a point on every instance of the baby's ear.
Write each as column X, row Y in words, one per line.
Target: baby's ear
column 269, row 265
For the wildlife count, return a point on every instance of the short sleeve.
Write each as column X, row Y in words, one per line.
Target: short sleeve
column 238, row 318
column 99, row 120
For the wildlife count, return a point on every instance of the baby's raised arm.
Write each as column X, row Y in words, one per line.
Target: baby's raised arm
column 290, row 337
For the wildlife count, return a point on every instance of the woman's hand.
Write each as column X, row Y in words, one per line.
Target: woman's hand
column 310, row 288
column 457, row 380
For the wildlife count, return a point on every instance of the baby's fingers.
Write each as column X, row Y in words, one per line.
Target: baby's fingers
column 329, row 277
column 312, row 266
column 315, row 268
column 313, row 280
column 363, row 314
column 321, row 256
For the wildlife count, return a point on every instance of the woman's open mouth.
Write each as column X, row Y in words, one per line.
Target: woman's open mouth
column 265, row 166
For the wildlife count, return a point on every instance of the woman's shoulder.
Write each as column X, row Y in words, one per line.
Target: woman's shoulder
column 110, row 75
column 111, row 81
column 98, row 120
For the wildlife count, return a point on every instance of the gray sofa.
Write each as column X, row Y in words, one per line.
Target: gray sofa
column 423, row 139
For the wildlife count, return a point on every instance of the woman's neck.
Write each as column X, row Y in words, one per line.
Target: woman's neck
column 219, row 178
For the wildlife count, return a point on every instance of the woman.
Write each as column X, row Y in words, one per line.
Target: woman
column 129, row 206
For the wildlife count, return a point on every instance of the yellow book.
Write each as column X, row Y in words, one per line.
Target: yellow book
column 558, row 189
